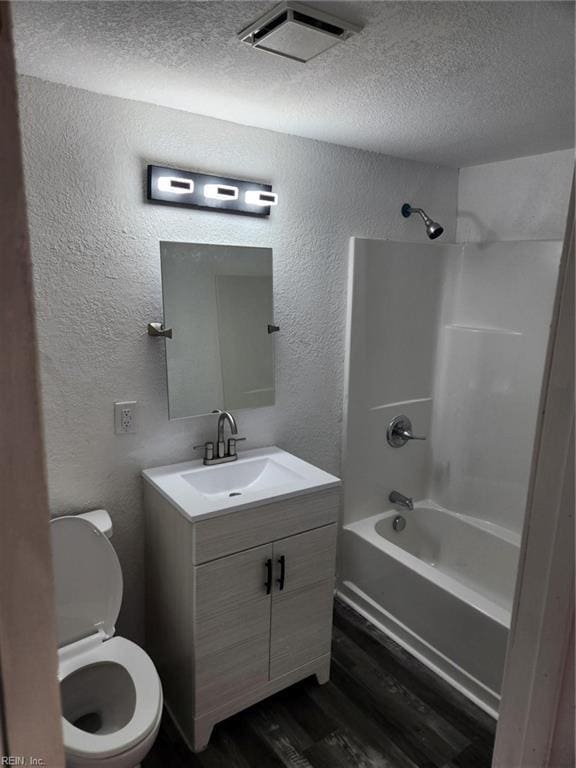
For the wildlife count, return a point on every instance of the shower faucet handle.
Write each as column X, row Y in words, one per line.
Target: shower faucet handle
column 408, row 435
column 400, row 431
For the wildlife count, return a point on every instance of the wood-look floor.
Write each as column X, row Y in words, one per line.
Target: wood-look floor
column 381, row 709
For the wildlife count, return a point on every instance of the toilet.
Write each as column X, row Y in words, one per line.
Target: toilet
column 109, row 687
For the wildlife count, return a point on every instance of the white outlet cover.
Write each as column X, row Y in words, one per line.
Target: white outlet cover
column 125, row 417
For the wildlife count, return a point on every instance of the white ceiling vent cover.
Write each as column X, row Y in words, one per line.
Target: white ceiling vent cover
column 296, row 31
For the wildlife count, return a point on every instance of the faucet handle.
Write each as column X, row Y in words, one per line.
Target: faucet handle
column 400, row 431
column 208, row 449
column 232, row 444
column 407, row 435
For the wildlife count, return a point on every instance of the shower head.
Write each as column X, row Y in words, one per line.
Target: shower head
column 433, row 229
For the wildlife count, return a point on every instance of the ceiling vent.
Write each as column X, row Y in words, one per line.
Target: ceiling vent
column 297, row 32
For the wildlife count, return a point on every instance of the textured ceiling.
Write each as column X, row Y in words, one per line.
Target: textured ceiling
column 448, row 82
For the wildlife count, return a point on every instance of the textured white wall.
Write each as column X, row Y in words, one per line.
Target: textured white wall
column 95, row 245
column 522, row 199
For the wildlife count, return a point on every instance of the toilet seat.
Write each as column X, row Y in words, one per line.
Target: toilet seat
column 148, row 697
column 87, row 577
column 88, row 585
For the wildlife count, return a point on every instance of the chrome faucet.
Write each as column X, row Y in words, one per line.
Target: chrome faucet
column 225, row 451
column 225, row 416
column 404, row 501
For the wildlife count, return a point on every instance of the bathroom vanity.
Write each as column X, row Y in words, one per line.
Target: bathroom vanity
column 240, row 577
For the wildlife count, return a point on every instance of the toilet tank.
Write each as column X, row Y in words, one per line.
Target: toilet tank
column 100, row 519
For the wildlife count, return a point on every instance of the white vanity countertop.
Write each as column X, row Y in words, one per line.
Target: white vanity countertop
column 258, row 477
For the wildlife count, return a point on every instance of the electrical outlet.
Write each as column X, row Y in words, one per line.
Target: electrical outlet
column 125, row 417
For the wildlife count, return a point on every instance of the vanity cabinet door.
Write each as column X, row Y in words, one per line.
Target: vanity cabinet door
column 302, row 600
column 232, row 626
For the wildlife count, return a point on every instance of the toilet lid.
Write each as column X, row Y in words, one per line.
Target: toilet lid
column 88, row 579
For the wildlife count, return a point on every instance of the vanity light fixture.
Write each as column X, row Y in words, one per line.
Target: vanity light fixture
column 220, row 192
column 176, row 185
column 172, row 186
column 257, row 197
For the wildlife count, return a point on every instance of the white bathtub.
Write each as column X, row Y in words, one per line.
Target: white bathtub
column 442, row 588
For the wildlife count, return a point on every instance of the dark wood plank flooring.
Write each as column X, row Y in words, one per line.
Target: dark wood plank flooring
column 381, row 709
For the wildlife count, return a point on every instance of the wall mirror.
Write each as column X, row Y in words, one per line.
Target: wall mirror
column 218, row 303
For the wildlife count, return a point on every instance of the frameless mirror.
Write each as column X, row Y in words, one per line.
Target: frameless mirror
column 218, row 303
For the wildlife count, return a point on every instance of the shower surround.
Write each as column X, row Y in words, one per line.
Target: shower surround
column 454, row 337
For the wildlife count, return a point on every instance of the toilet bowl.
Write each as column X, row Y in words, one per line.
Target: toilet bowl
column 109, row 688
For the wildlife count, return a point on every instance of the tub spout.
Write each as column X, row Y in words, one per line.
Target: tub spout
column 404, row 501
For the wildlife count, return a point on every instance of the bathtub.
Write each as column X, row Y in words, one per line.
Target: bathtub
column 442, row 588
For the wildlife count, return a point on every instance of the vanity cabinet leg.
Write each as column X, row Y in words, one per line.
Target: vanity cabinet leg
column 202, row 733
column 323, row 672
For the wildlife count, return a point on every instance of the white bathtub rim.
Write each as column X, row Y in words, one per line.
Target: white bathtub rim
column 366, row 530
column 507, row 534
column 484, row 697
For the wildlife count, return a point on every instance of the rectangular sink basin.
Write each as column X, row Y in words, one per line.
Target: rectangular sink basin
column 257, row 477
column 241, row 477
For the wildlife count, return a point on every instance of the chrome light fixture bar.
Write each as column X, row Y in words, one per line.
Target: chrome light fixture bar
column 172, row 186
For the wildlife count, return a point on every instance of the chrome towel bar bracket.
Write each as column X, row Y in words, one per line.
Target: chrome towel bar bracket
column 157, row 329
